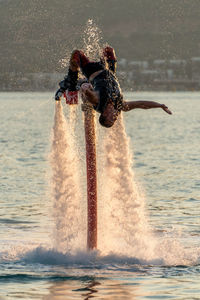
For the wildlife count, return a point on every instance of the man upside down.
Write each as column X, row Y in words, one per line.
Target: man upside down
column 102, row 89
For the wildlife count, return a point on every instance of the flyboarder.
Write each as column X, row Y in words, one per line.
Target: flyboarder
column 101, row 88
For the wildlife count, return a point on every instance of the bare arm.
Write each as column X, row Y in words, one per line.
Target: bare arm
column 129, row 105
column 92, row 97
column 88, row 94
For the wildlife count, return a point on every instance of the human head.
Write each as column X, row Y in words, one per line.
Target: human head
column 108, row 116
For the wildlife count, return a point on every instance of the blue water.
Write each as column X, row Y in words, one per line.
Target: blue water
column 166, row 164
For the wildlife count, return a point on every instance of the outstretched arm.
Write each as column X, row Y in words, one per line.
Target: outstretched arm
column 127, row 106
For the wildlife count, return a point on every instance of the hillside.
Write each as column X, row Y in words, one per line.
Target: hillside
column 35, row 34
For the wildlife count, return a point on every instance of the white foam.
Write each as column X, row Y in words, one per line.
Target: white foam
column 173, row 254
column 82, row 258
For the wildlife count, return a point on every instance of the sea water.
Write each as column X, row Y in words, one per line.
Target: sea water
column 148, row 204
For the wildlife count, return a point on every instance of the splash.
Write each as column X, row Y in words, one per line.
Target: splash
column 123, row 225
column 64, row 61
column 174, row 253
column 125, row 228
column 123, row 220
column 91, row 259
column 68, row 205
column 92, row 39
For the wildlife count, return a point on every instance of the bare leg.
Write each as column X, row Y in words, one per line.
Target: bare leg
column 109, row 58
column 78, row 59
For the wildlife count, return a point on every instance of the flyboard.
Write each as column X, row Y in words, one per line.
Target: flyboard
column 90, row 142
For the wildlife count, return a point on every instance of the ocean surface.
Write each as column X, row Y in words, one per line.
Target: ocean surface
column 149, row 201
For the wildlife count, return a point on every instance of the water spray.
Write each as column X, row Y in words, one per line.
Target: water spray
column 121, row 194
column 90, row 142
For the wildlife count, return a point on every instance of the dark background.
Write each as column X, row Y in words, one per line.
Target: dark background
column 36, row 34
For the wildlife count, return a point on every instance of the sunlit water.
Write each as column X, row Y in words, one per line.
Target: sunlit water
column 165, row 173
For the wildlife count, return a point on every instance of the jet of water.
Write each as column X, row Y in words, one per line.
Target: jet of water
column 123, row 221
column 68, row 207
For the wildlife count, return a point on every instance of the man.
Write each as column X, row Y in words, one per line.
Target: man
column 102, row 89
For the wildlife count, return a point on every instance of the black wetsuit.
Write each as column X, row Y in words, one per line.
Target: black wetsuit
column 105, row 84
